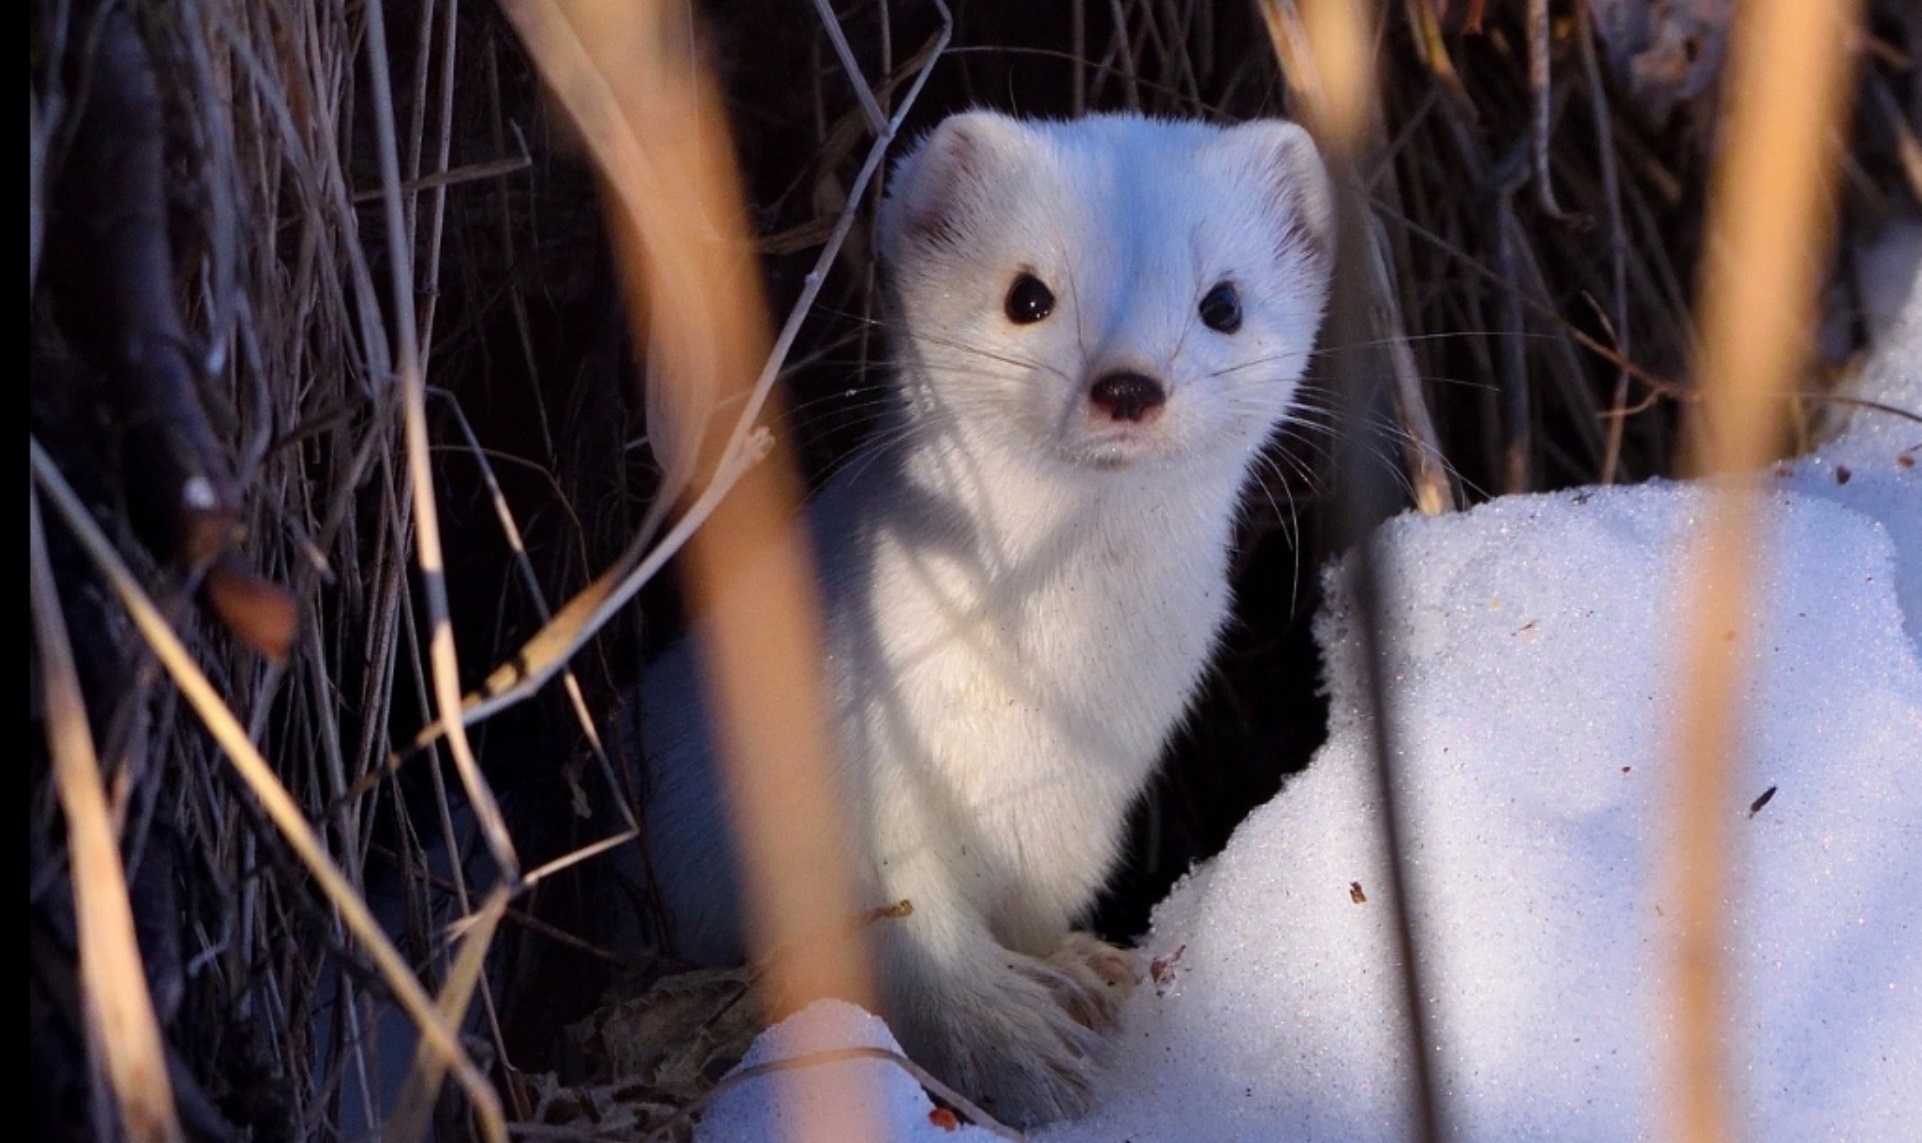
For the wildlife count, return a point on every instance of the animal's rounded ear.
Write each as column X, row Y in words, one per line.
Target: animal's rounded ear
column 1292, row 168
column 939, row 187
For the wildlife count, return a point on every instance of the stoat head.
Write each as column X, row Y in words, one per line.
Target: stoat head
column 1107, row 292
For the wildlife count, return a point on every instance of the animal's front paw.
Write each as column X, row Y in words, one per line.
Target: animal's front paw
column 1092, row 979
column 1021, row 1034
column 1039, row 1063
column 1027, row 1051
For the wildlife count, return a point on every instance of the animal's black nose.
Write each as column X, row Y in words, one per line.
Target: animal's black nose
column 1128, row 396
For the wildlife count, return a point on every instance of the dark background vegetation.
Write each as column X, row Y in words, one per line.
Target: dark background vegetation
column 1551, row 335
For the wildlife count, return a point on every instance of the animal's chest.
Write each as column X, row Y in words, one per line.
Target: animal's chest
column 1081, row 656
column 1115, row 641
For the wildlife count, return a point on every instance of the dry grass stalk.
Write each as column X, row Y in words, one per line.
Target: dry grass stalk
column 408, row 353
column 1324, row 53
column 1330, row 43
column 416, row 1101
column 279, row 804
column 123, row 1037
column 1617, row 241
column 530, row 581
column 1769, row 217
column 584, row 615
column 654, row 124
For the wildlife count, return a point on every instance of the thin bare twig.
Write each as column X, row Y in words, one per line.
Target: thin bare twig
column 1540, row 91
column 1617, row 236
column 510, row 529
column 420, row 470
column 863, row 94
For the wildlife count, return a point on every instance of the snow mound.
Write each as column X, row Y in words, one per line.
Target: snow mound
column 1534, row 660
column 1875, row 467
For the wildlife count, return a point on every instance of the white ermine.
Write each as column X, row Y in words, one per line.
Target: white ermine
column 1097, row 326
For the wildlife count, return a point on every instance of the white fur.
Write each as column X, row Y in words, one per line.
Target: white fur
column 1022, row 592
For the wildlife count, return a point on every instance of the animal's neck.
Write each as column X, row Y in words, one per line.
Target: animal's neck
column 1027, row 519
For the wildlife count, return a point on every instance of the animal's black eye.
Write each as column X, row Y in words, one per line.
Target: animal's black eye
column 1029, row 300
column 1221, row 309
